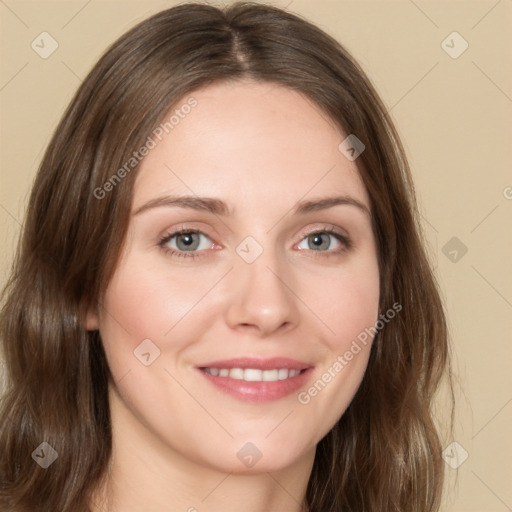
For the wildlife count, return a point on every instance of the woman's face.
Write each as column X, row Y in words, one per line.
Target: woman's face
column 232, row 345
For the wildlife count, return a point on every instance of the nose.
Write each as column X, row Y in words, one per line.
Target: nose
column 261, row 298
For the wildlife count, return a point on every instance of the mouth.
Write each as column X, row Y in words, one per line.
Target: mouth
column 257, row 380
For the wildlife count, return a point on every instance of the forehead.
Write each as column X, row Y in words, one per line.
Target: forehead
column 247, row 142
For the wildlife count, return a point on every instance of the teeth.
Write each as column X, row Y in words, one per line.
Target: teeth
column 270, row 375
column 282, row 374
column 235, row 373
column 253, row 374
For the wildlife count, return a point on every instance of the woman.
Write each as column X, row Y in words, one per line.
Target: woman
column 221, row 297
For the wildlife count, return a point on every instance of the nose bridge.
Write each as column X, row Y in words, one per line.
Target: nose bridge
column 260, row 297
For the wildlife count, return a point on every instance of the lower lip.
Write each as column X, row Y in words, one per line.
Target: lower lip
column 258, row 391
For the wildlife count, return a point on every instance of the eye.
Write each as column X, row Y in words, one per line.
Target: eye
column 326, row 240
column 190, row 243
column 183, row 241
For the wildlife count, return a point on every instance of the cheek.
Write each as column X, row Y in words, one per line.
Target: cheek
column 347, row 304
column 142, row 303
column 349, row 309
column 355, row 310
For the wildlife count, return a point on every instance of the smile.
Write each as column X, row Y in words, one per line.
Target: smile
column 257, row 380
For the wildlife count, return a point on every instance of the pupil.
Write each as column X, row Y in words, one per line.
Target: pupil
column 318, row 241
column 186, row 241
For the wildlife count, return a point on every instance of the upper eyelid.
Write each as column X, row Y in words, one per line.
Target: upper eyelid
column 332, row 230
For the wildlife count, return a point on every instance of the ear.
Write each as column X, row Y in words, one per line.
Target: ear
column 92, row 322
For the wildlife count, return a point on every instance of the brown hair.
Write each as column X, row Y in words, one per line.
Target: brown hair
column 384, row 454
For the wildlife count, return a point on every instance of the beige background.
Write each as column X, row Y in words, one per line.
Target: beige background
column 454, row 115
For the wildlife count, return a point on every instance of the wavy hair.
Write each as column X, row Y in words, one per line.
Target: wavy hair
column 384, row 454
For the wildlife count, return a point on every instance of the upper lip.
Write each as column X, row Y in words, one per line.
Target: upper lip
column 258, row 364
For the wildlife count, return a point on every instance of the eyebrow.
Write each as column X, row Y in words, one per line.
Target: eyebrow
column 219, row 207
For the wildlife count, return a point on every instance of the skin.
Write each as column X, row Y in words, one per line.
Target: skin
column 260, row 148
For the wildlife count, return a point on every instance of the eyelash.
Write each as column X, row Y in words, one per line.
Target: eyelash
column 343, row 239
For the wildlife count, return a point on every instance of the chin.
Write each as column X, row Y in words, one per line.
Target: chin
column 258, row 456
